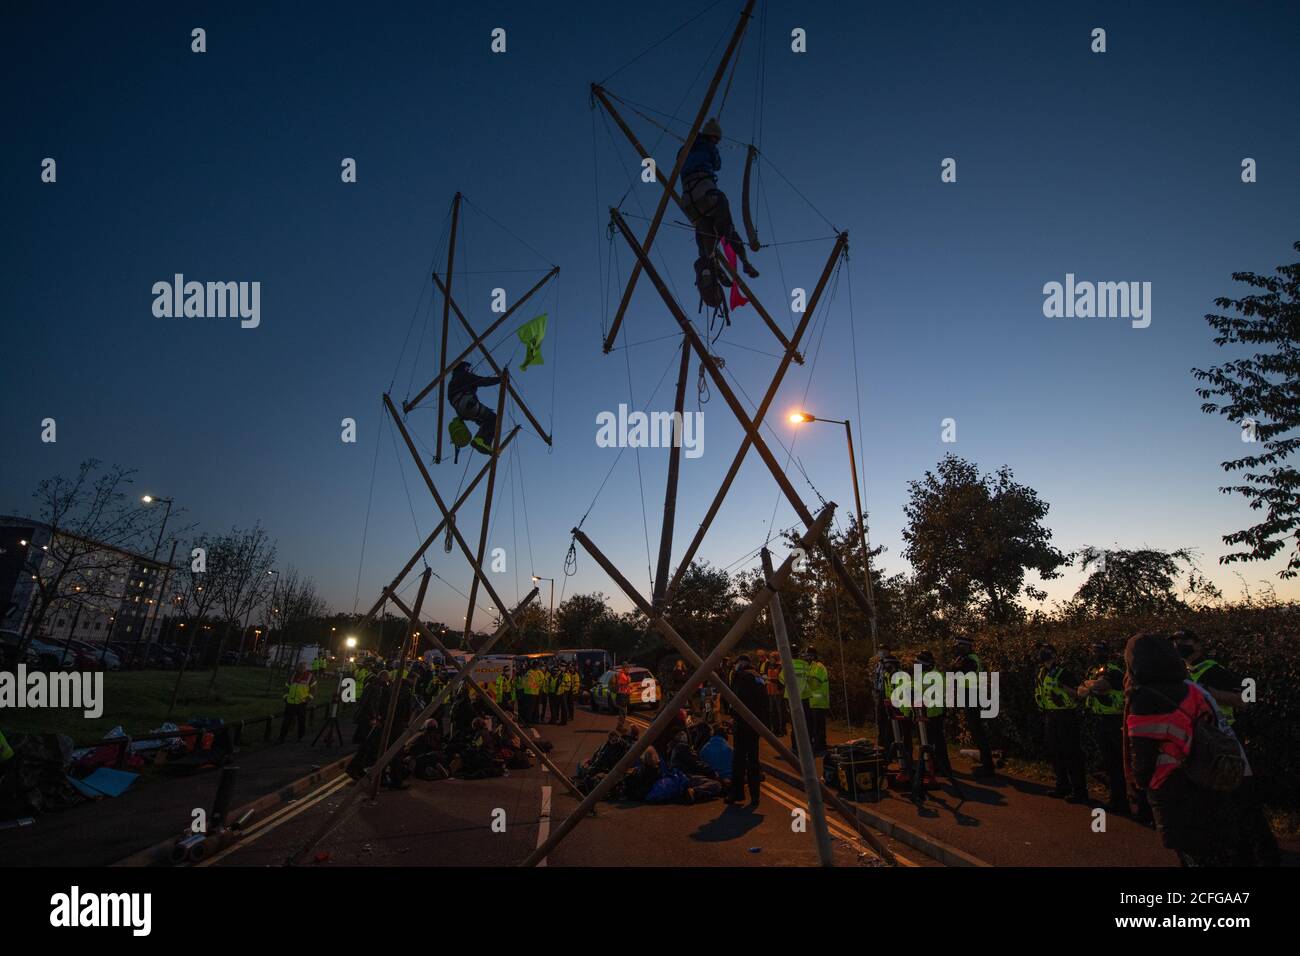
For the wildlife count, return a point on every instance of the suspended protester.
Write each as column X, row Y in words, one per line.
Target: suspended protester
column 709, row 211
column 463, row 396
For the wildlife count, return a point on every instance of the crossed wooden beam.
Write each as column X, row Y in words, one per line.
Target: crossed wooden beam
column 449, row 307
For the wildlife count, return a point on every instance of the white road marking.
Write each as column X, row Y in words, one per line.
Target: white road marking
column 544, row 820
column 266, row 825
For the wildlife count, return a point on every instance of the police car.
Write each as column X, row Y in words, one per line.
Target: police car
column 644, row 691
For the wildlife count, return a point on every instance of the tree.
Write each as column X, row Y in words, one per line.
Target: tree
column 1135, row 583
column 1261, row 394
column 92, row 521
column 578, row 619
column 703, row 606
column 971, row 538
column 242, row 563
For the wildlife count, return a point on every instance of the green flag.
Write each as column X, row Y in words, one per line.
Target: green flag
column 531, row 334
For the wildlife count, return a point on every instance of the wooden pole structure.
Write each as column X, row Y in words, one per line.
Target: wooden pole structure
column 658, row 621
column 395, row 685
column 759, row 415
column 862, row 533
column 487, row 502
column 478, row 339
column 674, row 468
column 799, row 720
column 662, row 207
column 739, row 412
column 446, row 304
column 669, row 711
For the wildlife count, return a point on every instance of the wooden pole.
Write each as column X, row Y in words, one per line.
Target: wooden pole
column 662, row 207
column 799, row 721
column 674, row 468
column 862, row 533
column 669, row 712
column 446, row 304
column 487, row 502
column 395, row 685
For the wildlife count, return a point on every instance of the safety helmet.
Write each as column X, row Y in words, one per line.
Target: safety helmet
column 712, row 128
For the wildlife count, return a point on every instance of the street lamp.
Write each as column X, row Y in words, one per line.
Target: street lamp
column 550, row 621
column 800, row 417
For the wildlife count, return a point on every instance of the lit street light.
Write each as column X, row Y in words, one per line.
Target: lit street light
column 550, row 620
column 800, row 417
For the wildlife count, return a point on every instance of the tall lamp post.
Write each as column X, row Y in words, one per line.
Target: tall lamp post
column 153, row 614
column 797, row 418
column 550, row 620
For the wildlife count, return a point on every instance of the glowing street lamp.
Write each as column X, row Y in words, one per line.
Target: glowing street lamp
column 799, row 417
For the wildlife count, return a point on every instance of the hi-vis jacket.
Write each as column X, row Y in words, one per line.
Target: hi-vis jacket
column 800, row 679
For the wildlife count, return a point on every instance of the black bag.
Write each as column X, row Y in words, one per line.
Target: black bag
column 1216, row 760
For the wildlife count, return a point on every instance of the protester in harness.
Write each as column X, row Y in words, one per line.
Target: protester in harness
column 463, row 395
column 710, row 213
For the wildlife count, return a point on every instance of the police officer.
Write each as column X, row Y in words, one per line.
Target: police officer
column 819, row 700
column 932, row 714
column 1055, row 692
column 1103, row 700
column 802, row 695
column 967, row 663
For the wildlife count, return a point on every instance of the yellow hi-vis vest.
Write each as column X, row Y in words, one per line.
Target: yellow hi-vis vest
column 1197, row 671
column 800, row 679
column 297, row 693
column 819, row 686
column 1049, row 694
column 5, row 750
column 533, row 682
column 904, row 685
column 1111, row 702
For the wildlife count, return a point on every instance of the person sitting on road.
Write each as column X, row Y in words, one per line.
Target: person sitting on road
column 717, row 753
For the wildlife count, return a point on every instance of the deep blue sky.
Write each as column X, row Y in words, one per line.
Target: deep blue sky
column 225, row 166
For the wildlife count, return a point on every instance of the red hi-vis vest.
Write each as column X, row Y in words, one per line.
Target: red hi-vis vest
column 1174, row 730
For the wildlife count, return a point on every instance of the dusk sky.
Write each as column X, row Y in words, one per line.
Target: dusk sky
column 225, row 166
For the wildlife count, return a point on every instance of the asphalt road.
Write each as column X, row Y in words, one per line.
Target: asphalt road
column 449, row 823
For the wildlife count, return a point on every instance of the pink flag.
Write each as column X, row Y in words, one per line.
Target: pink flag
column 737, row 300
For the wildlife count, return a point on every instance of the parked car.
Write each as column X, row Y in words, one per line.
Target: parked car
column 51, row 656
column 644, row 691
column 9, row 641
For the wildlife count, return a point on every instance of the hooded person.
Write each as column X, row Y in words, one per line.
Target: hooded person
column 462, row 393
column 751, row 688
column 1162, row 710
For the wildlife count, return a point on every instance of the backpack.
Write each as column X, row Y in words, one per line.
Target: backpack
column 1217, row 761
column 460, row 436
